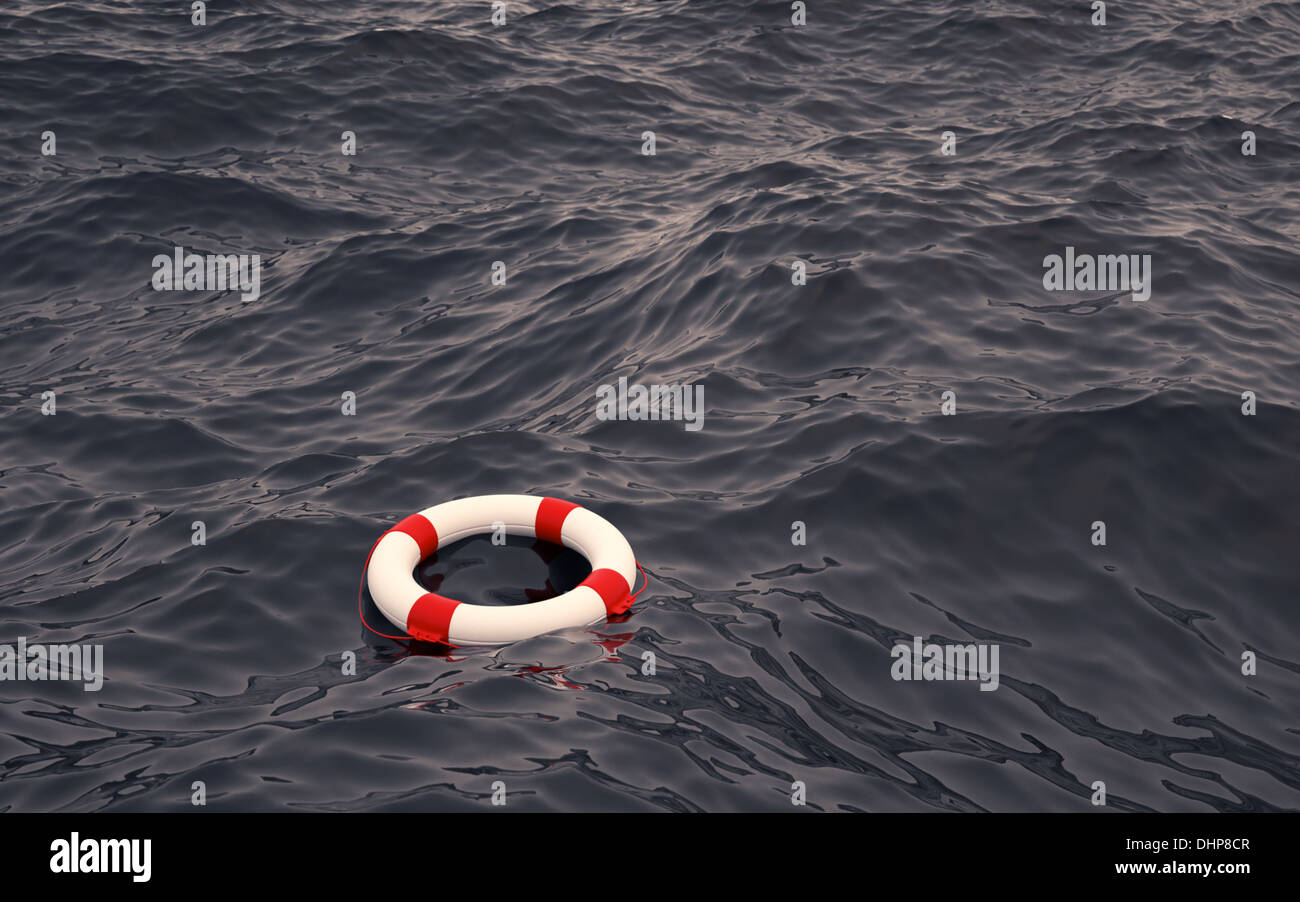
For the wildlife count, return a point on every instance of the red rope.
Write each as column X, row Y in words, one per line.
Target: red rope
column 361, row 586
column 647, row 581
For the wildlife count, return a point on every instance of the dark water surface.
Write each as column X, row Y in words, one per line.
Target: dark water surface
column 522, row 144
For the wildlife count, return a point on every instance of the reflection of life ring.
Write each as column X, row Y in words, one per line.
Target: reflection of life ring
column 435, row 618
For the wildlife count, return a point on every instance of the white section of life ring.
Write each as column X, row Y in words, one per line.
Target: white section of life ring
column 435, row 618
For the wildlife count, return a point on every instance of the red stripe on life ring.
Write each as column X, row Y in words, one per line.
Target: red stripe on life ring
column 612, row 589
column 420, row 529
column 430, row 617
column 550, row 519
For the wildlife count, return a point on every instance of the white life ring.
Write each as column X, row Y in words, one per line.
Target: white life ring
column 435, row 618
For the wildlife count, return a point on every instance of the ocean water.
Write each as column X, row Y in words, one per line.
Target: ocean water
column 775, row 143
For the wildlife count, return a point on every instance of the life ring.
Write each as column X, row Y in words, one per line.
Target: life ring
column 436, row 618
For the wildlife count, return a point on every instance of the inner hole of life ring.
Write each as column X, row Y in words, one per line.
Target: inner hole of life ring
column 522, row 571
